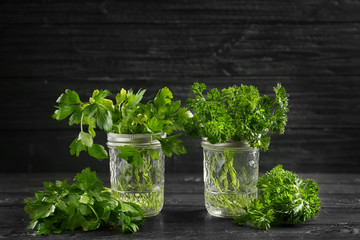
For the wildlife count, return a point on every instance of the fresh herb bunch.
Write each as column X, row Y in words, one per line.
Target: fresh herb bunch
column 285, row 198
column 127, row 116
column 86, row 205
column 237, row 113
column 229, row 184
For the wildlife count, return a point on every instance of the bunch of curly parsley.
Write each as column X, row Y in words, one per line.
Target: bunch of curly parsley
column 285, row 198
column 237, row 113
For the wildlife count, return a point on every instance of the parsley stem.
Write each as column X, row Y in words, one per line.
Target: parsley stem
column 97, row 217
column 81, row 122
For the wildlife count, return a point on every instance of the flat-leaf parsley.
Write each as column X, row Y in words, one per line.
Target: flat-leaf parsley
column 86, row 205
column 126, row 116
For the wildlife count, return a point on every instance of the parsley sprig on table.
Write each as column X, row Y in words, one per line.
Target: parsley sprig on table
column 237, row 113
column 86, row 205
column 127, row 116
column 285, row 198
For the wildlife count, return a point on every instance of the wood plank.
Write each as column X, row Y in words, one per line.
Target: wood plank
column 333, row 186
column 310, row 46
column 189, row 222
column 152, row 51
column 188, row 197
column 66, row 12
column 316, row 102
column 301, row 150
column 184, row 214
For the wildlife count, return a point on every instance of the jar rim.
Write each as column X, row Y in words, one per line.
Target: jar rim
column 136, row 139
column 231, row 144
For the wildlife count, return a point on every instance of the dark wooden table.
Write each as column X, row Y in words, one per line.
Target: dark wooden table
column 184, row 215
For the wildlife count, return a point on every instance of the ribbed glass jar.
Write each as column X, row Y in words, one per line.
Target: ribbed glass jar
column 231, row 171
column 143, row 185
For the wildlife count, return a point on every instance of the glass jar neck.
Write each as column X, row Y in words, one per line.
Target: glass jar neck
column 135, row 140
column 227, row 145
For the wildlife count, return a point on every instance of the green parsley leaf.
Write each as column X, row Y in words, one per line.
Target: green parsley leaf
column 163, row 98
column 237, row 113
column 171, row 145
column 69, row 97
column 64, row 110
column 120, row 97
column 99, row 95
column 75, row 118
column 131, row 154
column 138, row 96
column 90, row 110
column 39, row 210
column 104, row 119
column 198, row 88
column 285, row 198
column 128, row 116
column 76, row 147
column 68, row 103
column 86, row 139
column 98, row 151
column 86, row 205
column 155, row 125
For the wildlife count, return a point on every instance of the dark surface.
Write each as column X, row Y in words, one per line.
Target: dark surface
column 311, row 47
column 184, row 215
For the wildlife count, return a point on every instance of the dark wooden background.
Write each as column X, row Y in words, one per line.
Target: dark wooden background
column 312, row 47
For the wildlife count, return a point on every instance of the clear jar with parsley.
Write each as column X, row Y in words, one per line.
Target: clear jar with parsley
column 141, row 182
column 231, row 172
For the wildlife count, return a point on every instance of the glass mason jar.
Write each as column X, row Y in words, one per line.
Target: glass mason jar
column 231, row 171
column 144, row 184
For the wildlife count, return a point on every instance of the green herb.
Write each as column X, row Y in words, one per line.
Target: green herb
column 96, row 112
column 237, row 113
column 127, row 116
column 158, row 116
column 86, row 205
column 141, row 184
column 285, row 198
column 234, row 114
column 227, row 185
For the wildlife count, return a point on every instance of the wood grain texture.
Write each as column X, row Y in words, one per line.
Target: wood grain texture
column 311, row 47
column 316, row 102
column 302, row 150
column 182, row 11
column 98, row 51
column 184, row 215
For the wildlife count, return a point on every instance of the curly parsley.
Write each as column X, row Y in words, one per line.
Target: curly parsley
column 285, row 198
column 237, row 113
